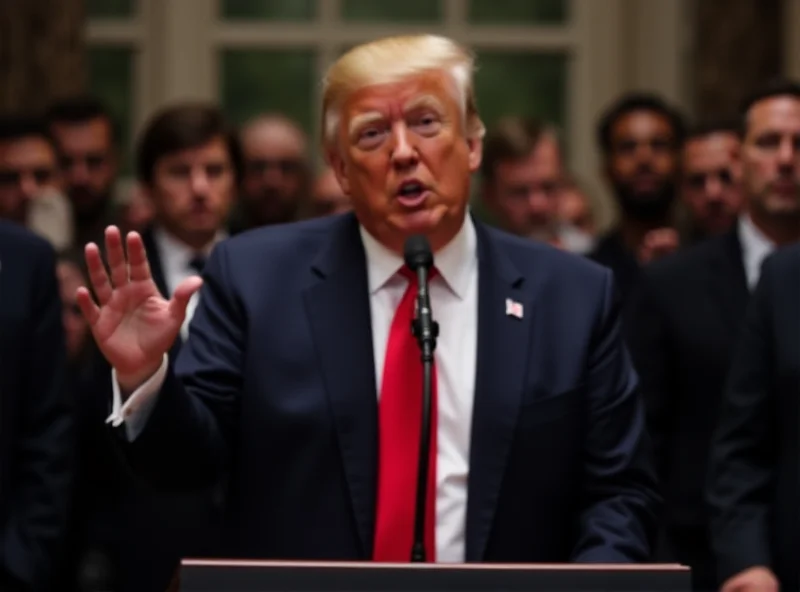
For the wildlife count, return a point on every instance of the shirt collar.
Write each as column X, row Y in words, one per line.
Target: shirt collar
column 455, row 261
column 177, row 254
column 756, row 246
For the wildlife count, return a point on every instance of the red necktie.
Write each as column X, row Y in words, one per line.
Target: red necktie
column 400, row 422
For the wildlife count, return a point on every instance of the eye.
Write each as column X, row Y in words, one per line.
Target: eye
column 426, row 123
column 370, row 136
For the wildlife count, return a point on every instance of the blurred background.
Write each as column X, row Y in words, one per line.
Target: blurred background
column 561, row 61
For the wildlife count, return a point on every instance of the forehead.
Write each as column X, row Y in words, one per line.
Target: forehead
column 26, row 151
column 642, row 123
column 213, row 150
column 775, row 113
column 272, row 138
column 392, row 99
column 717, row 146
column 92, row 131
column 544, row 159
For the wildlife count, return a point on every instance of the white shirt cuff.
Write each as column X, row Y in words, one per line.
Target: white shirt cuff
column 137, row 409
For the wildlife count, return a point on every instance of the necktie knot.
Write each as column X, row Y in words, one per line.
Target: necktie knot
column 412, row 277
column 198, row 263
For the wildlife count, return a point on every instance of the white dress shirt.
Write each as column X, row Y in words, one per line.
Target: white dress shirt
column 454, row 303
column 755, row 248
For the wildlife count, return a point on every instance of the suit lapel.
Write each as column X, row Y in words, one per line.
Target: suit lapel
column 339, row 313
column 154, row 259
column 502, row 362
column 728, row 281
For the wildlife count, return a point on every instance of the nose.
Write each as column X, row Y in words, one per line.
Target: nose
column 713, row 188
column 404, row 153
column 539, row 203
column 199, row 182
column 28, row 186
column 78, row 172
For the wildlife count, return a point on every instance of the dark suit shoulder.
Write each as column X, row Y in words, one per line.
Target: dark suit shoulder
column 285, row 238
column 693, row 260
column 23, row 241
column 537, row 258
column 783, row 260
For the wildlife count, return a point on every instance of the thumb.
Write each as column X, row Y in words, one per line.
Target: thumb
column 184, row 291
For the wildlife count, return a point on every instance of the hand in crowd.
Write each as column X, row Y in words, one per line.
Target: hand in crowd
column 658, row 243
column 134, row 325
column 755, row 579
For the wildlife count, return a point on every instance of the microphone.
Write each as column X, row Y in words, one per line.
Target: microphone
column 419, row 258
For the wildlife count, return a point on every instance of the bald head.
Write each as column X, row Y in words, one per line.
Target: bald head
column 275, row 181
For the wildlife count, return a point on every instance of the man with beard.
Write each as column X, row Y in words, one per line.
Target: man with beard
column 640, row 137
column 87, row 144
column 275, row 180
column 522, row 177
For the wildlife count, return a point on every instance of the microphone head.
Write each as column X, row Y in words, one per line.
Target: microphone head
column 417, row 252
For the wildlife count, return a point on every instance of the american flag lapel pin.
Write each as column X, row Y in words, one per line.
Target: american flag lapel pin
column 513, row 308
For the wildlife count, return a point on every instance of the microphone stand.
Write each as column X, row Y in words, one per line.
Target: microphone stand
column 425, row 330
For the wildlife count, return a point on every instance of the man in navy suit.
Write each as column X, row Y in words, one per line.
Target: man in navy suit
column 36, row 414
column 289, row 379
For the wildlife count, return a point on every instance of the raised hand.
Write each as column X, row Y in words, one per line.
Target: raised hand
column 134, row 325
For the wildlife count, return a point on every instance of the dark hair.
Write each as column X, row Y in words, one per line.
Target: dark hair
column 14, row 128
column 183, row 127
column 777, row 87
column 81, row 109
column 711, row 126
column 511, row 138
column 638, row 101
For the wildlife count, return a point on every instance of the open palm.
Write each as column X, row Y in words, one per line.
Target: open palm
column 132, row 323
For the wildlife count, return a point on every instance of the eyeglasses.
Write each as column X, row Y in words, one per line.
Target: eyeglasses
column 13, row 177
column 286, row 166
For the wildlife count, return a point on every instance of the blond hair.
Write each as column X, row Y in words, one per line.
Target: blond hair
column 393, row 59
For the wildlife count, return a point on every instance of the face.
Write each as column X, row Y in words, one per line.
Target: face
column 524, row 192
column 88, row 163
column 711, row 181
column 771, row 157
column 327, row 197
column 27, row 169
column 643, row 164
column 275, row 171
column 75, row 327
column 192, row 191
column 405, row 160
column 574, row 210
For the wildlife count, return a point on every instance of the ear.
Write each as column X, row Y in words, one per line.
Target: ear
column 339, row 168
column 475, row 146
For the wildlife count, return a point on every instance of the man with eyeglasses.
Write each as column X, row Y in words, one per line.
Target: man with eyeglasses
column 86, row 139
column 276, row 176
column 687, row 315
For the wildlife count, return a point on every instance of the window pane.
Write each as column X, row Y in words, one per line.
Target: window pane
column 406, row 11
column 255, row 81
column 111, row 80
column 522, row 83
column 110, row 8
column 278, row 10
column 540, row 12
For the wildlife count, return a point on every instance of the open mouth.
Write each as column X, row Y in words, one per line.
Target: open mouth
column 411, row 194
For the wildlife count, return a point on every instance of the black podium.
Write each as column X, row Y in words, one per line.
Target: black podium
column 267, row 576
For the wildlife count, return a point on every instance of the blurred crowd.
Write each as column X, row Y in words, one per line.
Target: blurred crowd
column 688, row 195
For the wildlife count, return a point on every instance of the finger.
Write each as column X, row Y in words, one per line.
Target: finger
column 115, row 256
column 138, row 266
column 89, row 309
column 97, row 274
column 184, row 291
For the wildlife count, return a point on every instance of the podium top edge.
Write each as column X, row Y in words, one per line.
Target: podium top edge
column 637, row 567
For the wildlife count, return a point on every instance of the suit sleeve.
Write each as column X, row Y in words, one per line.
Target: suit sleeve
column 620, row 498
column 45, row 451
column 188, row 436
column 650, row 351
column 743, row 450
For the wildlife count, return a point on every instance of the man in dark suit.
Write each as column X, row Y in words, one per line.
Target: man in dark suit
column 187, row 164
column 754, row 473
column 687, row 313
column 294, row 375
column 36, row 415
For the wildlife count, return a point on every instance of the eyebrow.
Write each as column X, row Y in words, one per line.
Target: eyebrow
column 429, row 101
column 363, row 119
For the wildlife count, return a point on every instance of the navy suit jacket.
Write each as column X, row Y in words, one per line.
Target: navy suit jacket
column 36, row 410
column 276, row 385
